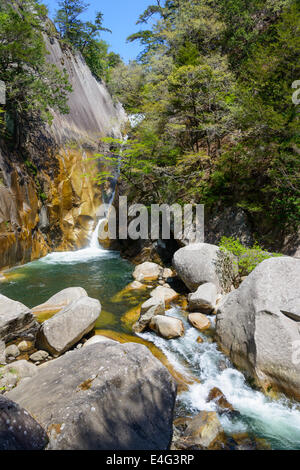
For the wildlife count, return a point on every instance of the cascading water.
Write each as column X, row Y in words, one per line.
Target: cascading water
column 278, row 421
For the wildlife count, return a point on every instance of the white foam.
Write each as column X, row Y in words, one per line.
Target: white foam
column 276, row 420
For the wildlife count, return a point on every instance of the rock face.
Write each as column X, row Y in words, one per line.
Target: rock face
column 196, row 264
column 45, row 204
column 86, row 401
column 18, row 430
column 204, row 299
column 16, row 320
column 199, row 321
column 167, row 327
column 253, row 330
column 147, row 272
column 66, row 328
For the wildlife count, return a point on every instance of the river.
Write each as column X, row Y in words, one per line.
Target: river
column 104, row 274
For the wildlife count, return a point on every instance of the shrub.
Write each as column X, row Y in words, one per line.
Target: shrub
column 245, row 258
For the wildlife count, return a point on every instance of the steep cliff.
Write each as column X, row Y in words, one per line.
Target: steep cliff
column 46, row 203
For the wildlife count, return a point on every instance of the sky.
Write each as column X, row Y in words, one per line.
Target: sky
column 120, row 17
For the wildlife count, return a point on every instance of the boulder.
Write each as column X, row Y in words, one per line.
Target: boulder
column 25, row 346
column 18, row 430
column 204, row 299
column 60, row 300
column 147, row 272
column 149, row 309
column 12, row 351
column 98, row 339
column 167, row 273
column 204, row 431
column 199, row 263
column 136, row 285
column 153, row 302
column 106, row 396
column 39, row 356
column 219, row 398
column 167, row 327
column 253, row 330
column 16, row 320
column 199, row 321
column 66, row 328
column 164, row 293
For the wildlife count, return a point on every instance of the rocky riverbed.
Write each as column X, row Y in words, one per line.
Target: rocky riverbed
column 51, row 356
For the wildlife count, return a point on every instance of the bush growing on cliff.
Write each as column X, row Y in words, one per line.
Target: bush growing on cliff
column 245, row 258
column 33, row 86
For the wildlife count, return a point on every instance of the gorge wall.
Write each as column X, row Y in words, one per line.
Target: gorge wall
column 46, row 202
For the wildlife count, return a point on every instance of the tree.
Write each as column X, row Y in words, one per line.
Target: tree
column 33, row 86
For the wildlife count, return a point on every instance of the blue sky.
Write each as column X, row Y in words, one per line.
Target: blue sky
column 120, row 16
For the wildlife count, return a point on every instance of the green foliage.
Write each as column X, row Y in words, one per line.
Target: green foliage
column 246, row 259
column 33, row 86
column 84, row 36
column 214, row 85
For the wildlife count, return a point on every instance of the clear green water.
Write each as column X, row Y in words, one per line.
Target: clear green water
column 103, row 275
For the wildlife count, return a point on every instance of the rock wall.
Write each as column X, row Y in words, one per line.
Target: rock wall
column 46, row 203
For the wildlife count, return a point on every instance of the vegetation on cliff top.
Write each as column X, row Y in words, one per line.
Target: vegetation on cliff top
column 214, row 83
column 84, row 37
column 33, row 86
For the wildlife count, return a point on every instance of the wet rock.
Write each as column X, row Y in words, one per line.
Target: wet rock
column 167, row 327
column 16, row 320
column 204, row 299
column 219, row 398
column 103, row 397
column 60, row 300
column 199, row 321
column 12, row 351
column 98, row 339
column 136, row 285
column 25, row 346
column 149, row 309
column 200, row 340
column 147, row 272
column 204, row 431
column 252, row 330
column 197, row 264
column 18, row 430
column 66, row 328
column 39, row 356
column 164, row 293
column 167, row 273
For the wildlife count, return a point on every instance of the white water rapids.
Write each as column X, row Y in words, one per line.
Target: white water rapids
column 276, row 420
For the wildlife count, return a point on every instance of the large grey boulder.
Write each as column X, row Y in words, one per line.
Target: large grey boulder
column 204, row 299
column 103, row 397
column 67, row 327
column 16, row 320
column 199, row 263
column 256, row 328
column 18, row 430
column 60, row 300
